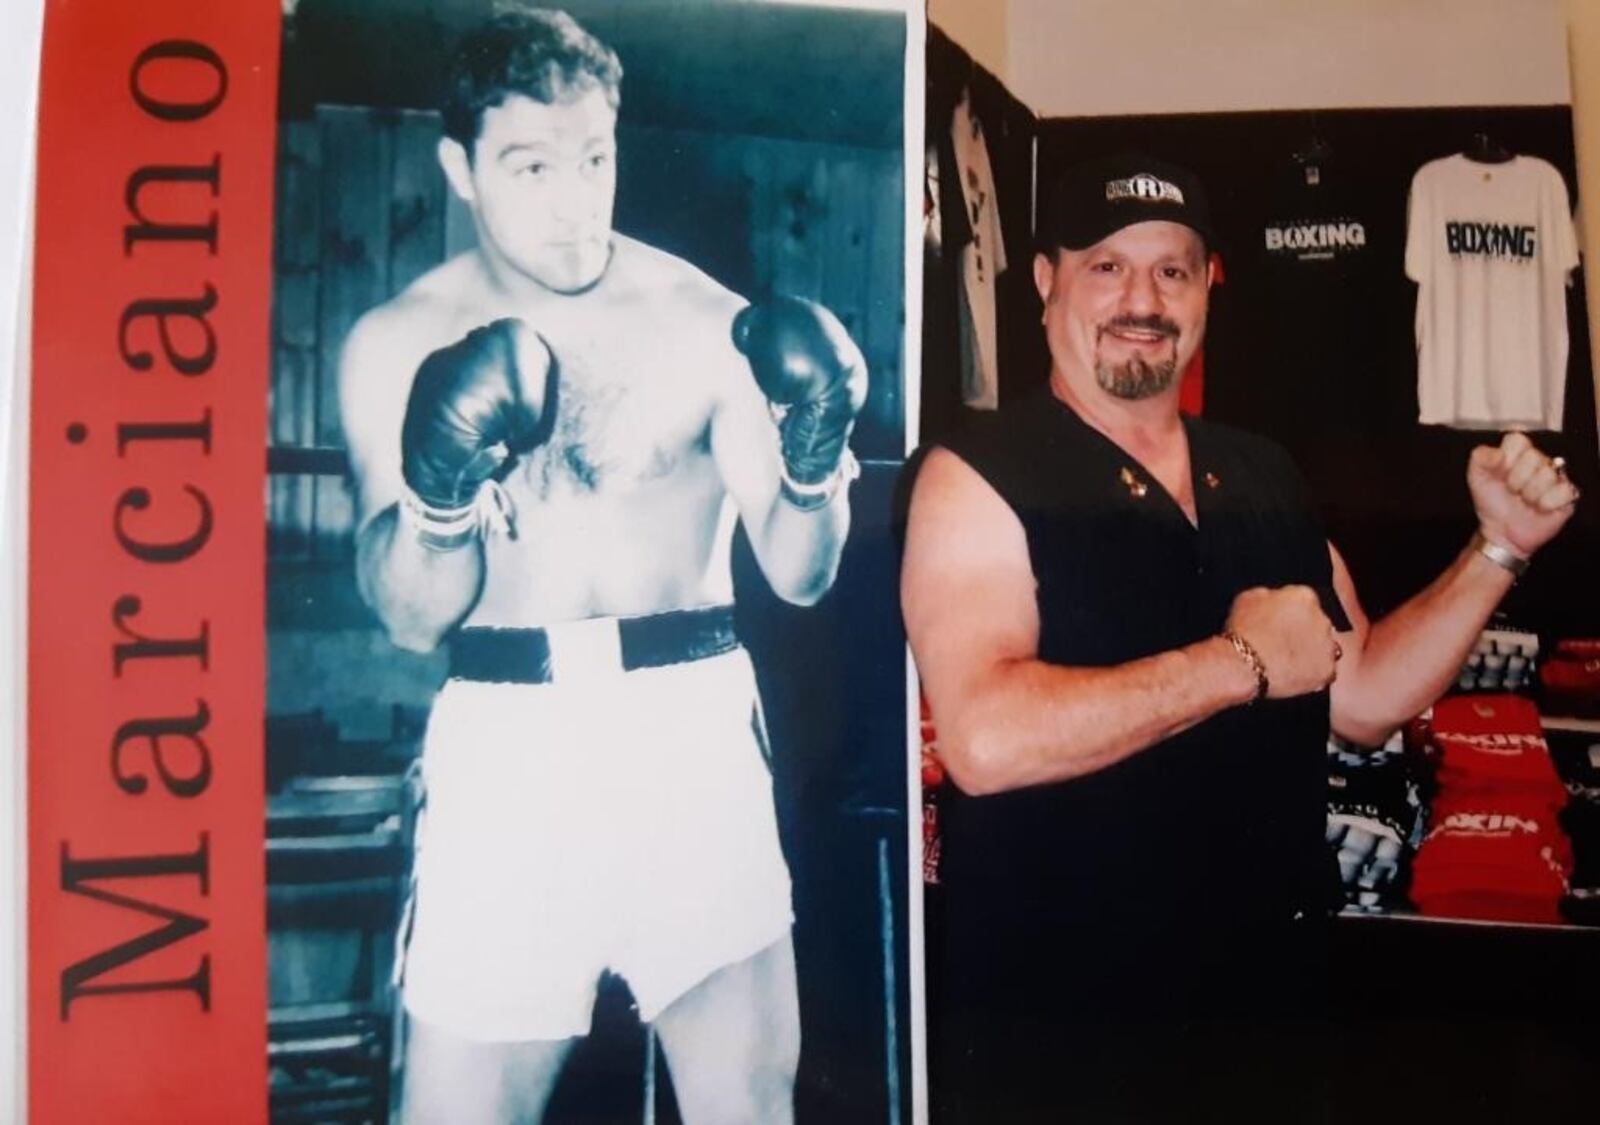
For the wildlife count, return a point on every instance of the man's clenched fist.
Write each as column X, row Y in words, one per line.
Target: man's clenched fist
column 1291, row 635
column 1522, row 498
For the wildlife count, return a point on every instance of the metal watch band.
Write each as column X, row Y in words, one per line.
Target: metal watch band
column 1499, row 554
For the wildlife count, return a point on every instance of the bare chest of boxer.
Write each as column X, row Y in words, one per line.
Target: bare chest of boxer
column 622, row 510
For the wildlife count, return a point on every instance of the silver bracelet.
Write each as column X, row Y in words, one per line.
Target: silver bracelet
column 1499, row 554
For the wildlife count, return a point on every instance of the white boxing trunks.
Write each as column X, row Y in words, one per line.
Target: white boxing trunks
column 608, row 819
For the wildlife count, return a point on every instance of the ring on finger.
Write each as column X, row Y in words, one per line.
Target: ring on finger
column 1539, row 483
column 1559, row 464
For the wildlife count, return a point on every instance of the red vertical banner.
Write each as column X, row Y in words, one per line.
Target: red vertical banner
column 146, row 646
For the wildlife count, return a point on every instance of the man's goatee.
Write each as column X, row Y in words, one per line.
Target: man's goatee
column 1135, row 379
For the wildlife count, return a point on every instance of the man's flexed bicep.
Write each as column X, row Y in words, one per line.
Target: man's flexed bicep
column 967, row 594
column 1006, row 718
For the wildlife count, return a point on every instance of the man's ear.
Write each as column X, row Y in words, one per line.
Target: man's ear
column 457, row 168
column 1213, row 268
column 1044, row 276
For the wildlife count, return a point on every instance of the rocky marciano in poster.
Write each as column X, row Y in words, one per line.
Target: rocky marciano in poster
column 465, row 676
column 585, row 698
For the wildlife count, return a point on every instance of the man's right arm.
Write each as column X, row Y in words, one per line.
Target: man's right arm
column 418, row 593
column 1007, row 719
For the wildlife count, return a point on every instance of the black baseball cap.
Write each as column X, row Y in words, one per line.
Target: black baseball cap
column 1099, row 197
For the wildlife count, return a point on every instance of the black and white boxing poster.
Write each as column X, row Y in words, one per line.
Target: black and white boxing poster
column 586, row 705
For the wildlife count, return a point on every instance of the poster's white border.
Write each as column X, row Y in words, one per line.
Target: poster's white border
column 916, row 86
column 21, row 24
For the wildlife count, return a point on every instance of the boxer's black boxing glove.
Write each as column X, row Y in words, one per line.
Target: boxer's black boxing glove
column 805, row 362
column 473, row 405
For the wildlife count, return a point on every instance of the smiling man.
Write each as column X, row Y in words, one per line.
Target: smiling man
column 553, row 436
column 1134, row 638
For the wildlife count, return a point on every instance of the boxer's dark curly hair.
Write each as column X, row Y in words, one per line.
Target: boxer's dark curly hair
column 537, row 52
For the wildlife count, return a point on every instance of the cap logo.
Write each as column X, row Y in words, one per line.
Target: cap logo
column 1144, row 187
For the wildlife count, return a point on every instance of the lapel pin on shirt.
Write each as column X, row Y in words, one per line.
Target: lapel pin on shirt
column 1136, row 487
column 1211, row 479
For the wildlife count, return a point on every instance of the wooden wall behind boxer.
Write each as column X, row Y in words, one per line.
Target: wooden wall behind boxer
column 801, row 217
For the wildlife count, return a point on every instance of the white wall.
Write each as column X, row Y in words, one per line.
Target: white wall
column 1583, row 39
column 1086, row 57
column 979, row 26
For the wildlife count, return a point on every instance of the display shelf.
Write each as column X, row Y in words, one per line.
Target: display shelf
column 1411, row 917
column 1570, row 723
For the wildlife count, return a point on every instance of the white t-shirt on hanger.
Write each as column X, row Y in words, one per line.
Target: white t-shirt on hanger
column 983, row 259
column 1490, row 246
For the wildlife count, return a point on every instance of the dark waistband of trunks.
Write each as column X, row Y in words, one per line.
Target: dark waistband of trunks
column 528, row 656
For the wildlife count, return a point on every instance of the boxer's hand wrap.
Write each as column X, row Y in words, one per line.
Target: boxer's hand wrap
column 812, row 372
column 445, row 529
column 472, row 408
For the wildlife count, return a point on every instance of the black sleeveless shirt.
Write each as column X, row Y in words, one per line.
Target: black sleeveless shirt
column 1162, row 881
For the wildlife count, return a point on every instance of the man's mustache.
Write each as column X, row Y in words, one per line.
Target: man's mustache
column 1151, row 323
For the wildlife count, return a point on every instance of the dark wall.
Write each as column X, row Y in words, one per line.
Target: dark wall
column 1342, row 395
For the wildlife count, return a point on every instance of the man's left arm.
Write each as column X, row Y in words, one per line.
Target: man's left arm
column 1394, row 668
column 780, row 437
